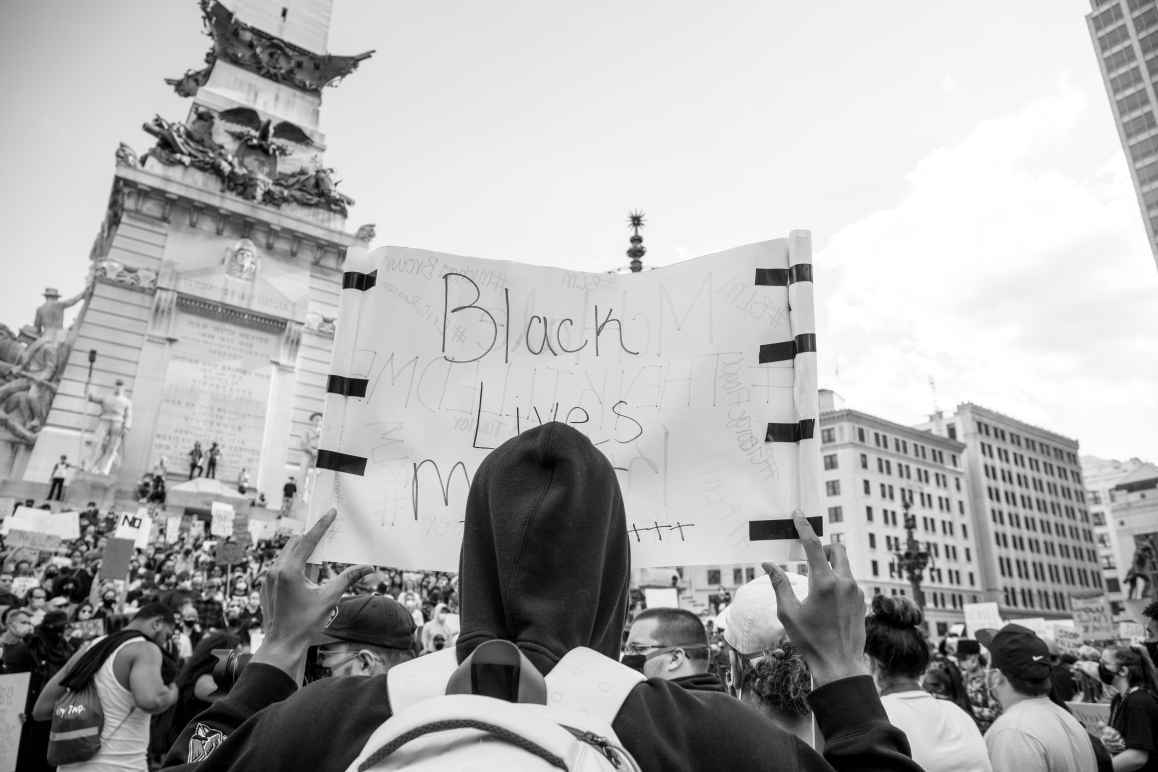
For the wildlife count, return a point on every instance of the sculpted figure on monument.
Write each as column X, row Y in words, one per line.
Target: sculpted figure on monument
column 27, row 383
column 113, row 423
column 126, row 156
column 49, row 320
column 241, row 262
column 311, row 438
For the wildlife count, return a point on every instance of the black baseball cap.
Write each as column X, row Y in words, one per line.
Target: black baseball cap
column 1017, row 652
column 967, row 646
column 373, row 619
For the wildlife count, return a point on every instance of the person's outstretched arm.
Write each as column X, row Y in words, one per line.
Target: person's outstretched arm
column 828, row 629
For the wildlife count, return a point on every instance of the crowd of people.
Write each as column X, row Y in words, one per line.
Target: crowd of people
column 268, row 664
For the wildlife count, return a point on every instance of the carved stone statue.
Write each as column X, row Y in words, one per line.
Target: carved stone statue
column 366, row 233
column 311, row 440
column 126, row 156
column 113, row 423
column 27, row 386
column 49, row 320
column 241, row 262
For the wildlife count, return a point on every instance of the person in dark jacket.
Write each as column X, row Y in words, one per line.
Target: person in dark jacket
column 545, row 564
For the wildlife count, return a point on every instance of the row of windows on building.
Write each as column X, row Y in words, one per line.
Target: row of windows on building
column 944, row 503
column 1029, row 483
column 904, row 471
column 934, row 576
column 1031, row 445
column 1033, row 464
column 1049, row 600
column 995, row 494
column 1042, row 526
column 923, row 452
column 1031, row 545
column 1025, row 569
column 739, row 576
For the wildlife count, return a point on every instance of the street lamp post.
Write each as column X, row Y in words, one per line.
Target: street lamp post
column 913, row 561
column 637, row 250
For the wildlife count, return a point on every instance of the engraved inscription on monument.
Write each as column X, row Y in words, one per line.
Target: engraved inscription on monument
column 216, row 390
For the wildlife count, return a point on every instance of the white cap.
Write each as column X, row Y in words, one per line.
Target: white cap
column 750, row 623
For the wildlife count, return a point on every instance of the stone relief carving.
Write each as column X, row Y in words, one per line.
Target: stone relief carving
column 252, row 176
column 119, row 273
column 241, row 260
column 320, row 324
column 259, row 51
column 126, row 156
column 366, row 233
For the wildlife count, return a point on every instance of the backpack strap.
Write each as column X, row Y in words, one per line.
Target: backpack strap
column 591, row 684
column 420, row 679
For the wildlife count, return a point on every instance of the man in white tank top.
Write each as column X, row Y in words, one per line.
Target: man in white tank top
column 131, row 690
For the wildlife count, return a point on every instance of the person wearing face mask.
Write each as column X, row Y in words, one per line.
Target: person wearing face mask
column 365, row 636
column 413, row 604
column 1134, row 711
column 47, row 650
column 251, row 610
column 441, row 623
column 1032, row 732
column 671, row 644
column 14, row 654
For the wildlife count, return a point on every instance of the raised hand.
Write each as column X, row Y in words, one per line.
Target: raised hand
column 293, row 607
column 827, row 626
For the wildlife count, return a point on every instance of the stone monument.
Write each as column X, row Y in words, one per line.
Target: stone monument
column 215, row 276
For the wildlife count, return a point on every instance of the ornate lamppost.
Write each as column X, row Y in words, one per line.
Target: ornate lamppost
column 637, row 250
column 913, row 561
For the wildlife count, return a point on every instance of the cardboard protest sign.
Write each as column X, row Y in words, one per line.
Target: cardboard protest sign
column 661, row 597
column 115, row 559
column 65, row 525
column 13, row 697
column 89, row 628
column 42, row 542
column 136, row 527
column 1092, row 715
column 1069, row 641
column 1093, row 618
column 172, row 529
column 229, row 553
column 260, row 529
column 22, row 584
column 1036, row 624
column 222, row 519
column 240, row 532
column 982, row 616
column 696, row 380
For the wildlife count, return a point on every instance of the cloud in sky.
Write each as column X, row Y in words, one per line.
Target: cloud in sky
column 1014, row 285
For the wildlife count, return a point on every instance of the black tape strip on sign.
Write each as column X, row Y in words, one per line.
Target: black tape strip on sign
column 801, row 430
column 359, row 281
column 341, row 462
column 347, row 387
column 788, row 349
column 782, row 277
column 780, row 529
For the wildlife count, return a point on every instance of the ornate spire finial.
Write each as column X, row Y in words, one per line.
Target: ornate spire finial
column 637, row 249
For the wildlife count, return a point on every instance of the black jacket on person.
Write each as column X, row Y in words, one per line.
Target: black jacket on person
column 545, row 563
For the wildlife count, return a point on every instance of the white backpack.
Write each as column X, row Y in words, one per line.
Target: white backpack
column 562, row 721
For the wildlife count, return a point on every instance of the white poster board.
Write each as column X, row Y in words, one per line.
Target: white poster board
column 696, row 380
column 982, row 616
column 1037, row 624
column 136, row 527
column 13, row 696
column 221, row 523
column 661, row 597
column 1093, row 618
column 65, row 525
column 172, row 529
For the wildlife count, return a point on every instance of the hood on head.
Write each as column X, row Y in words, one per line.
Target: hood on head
column 545, row 560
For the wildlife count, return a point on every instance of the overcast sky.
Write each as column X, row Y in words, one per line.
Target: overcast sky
column 957, row 163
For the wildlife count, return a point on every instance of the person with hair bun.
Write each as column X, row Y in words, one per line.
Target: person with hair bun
column 942, row 736
column 778, row 686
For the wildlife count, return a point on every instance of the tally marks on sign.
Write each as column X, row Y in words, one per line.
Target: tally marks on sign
column 801, row 351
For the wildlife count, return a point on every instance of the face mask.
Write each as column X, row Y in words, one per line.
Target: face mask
column 633, row 661
column 1106, row 675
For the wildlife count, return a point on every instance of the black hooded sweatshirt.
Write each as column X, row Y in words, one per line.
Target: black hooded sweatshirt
column 545, row 563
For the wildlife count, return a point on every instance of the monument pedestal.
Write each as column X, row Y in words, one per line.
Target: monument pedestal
column 90, row 486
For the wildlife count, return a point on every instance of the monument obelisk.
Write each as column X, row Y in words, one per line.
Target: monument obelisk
column 216, row 272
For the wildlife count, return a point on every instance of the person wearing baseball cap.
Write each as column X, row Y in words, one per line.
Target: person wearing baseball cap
column 365, row 635
column 1032, row 732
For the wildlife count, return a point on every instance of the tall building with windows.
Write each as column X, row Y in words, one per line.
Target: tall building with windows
column 870, row 467
column 1100, row 476
column 1034, row 534
column 1125, row 36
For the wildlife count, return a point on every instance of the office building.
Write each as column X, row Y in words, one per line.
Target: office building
column 1034, row 535
column 871, row 466
column 1101, row 476
column 1125, row 37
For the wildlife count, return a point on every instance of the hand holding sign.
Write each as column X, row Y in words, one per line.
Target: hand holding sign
column 828, row 625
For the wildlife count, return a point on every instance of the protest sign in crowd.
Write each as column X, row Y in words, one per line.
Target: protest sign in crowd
column 223, row 640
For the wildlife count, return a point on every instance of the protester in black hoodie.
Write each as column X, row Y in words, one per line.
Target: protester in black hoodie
column 545, row 564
